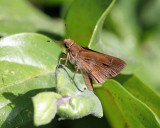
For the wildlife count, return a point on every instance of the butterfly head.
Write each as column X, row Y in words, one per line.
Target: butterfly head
column 68, row 43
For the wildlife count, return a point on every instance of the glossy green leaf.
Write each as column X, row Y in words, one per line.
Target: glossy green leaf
column 85, row 19
column 20, row 16
column 124, row 108
column 72, row 100
column 45, row 107
column 141, row 91
column 82, row 103
column 28, row 65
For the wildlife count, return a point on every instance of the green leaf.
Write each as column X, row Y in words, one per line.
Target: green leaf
column 71, row 102
column 20, row 16
column 82, row 103
column 141, row 92
column 28, row 65
column 85, row 19
column 123, row 109
column 45, row 107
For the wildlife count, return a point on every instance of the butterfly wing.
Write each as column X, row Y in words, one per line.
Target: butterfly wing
column 87, row 80
column 99, row 66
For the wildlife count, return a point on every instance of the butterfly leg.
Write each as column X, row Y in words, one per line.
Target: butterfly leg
column 76, row 70
column 66, row 59
column 60, row 60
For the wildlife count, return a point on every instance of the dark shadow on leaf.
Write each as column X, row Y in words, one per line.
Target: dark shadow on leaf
column 122, row 78
column 21, row 108
column 51, row 35
column 86, row 122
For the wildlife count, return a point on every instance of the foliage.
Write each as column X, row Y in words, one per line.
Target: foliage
column 28, row 64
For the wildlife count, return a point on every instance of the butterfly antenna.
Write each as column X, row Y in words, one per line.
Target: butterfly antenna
column 68, row 35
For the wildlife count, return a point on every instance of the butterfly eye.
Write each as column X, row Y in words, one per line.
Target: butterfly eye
column 65, row 45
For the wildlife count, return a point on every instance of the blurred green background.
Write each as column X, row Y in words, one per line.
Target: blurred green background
column 131, row 31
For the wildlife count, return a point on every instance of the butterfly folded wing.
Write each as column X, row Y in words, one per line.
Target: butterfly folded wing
column 87, row 80
column 99, row 66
